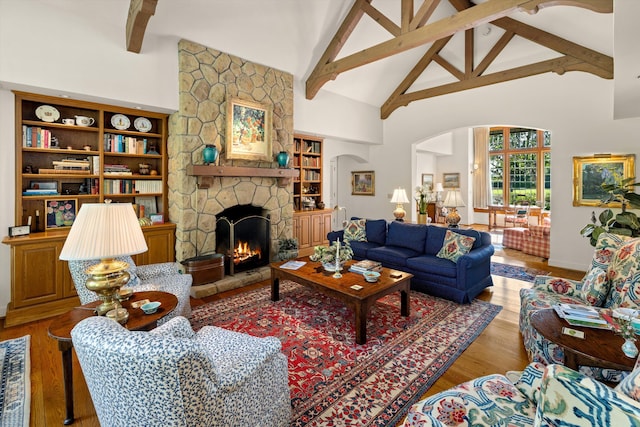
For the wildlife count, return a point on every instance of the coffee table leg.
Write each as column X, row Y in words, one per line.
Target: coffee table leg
column 361, row 323
column 275, row 289
column 67, row 373
column 404, row 303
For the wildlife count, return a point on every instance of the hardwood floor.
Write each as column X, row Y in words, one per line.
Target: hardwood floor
column 498, row 349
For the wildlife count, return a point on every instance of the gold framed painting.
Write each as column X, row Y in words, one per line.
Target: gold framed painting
column 363, row 183
column 248, row 130
column 60, row 213
column 589, row 173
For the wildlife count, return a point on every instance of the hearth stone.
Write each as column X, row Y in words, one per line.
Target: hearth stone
column 239, row 280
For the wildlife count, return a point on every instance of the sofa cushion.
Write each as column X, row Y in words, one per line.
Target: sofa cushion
column 630, row 385
column 410, row 236
column 530, row 381
column 624, row 267
column 595, row 287
column 360, row 249
column 354, row 230
column 376, row 231
column 432, row 265
column 391, row 255
column 435, row 238
column 605, row 248
column 455, row 245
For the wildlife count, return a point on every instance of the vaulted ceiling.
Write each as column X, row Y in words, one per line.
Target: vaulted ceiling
column 390, row 53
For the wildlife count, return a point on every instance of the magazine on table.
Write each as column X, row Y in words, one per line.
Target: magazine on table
column 581, row 315
column 292, row 265
column 365, row 265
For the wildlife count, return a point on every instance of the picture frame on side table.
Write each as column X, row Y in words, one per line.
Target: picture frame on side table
column 148, row 204
column 589, row 173
column 451, row 180
column 248, row 130
column 363, row 183
column 60, row 213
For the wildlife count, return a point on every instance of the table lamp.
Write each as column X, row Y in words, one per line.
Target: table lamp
column 105, row 231
column 399, row 197
column 452, row 201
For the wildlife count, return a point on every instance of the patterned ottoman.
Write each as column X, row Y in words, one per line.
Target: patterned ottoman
column 512, row 237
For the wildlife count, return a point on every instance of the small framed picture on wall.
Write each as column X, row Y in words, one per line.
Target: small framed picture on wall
column 451, row 180
column 427, row 181
column 363, row 183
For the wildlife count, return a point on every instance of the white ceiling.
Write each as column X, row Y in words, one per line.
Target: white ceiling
column 291, row 35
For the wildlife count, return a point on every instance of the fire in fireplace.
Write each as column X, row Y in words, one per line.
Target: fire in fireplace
column 243, row 236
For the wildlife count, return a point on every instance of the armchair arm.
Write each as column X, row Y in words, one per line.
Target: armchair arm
column 150, row 271
column 558, row 285
column 177, row 327
column 475, row 257
column 570, row 398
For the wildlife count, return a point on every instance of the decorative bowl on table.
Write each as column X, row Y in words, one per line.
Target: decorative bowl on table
column 331, row 266
column 120, row 315
column 150, row 307
column 371, row 276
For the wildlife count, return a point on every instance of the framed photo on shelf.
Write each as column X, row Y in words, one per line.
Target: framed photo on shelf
column 427, row 180
column 363, row 183
column 60, row 213
column 148, row 204
column 589, row 173
column 248, row 130
column 451, row 180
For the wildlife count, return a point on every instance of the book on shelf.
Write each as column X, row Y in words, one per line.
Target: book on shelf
column 365, row 265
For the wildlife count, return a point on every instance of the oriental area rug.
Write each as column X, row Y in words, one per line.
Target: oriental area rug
column 15, row 387
column 333, row 380
column 516, row 272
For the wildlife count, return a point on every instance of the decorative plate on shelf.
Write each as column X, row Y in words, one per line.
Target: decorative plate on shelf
column 142, row 124
column 47, row 113
column 120, row 122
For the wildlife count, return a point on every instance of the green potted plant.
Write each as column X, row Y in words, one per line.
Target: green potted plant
column 422, row 198
column 327, row 254
column 287, row 249
column 625, row 223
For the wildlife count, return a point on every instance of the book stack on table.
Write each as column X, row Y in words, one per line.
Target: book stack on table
column 581, row 315
column 365, row 265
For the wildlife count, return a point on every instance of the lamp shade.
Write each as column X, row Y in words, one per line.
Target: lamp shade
column 439, row 187
column 399, row 196
column 104, row 230
column 453, row 199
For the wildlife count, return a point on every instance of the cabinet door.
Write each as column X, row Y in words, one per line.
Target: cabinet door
column 36, row 285
column 327, row 227
column 303, row 231
column 161, row 244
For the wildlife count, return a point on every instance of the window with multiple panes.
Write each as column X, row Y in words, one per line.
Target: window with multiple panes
column 520, row 166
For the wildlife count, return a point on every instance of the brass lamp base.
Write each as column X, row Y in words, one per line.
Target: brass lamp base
column 105, row 279
column 399, row 213
column 453, row 218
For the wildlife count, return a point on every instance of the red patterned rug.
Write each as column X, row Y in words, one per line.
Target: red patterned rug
column 333, row 380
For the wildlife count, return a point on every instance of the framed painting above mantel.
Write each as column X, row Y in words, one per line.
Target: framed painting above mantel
column 589, row 173
column 248, row 130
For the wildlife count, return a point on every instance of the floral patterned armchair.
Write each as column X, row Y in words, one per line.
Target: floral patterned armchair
column 152, row 277
column 612, row 281
column 543, row 396
column 173, row 376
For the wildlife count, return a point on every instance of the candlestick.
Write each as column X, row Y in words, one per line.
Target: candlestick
column 336, row 274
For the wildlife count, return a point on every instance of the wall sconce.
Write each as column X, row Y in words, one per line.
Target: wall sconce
column 475, row 167
column 399, row 197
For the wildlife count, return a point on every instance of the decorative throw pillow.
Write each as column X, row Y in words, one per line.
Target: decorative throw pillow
column 606, row 247
column 455, row 245
column 595, row 287
column 630, row 385
column 558, row 285
column 354, row 230
column 530, row 381
column 624, row 267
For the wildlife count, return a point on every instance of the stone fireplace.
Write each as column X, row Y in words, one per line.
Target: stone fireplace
column 207, row 77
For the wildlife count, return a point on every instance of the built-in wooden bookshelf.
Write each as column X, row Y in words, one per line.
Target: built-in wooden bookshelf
column 307, row 158
column 70, row 152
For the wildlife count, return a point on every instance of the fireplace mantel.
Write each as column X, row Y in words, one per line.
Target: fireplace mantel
column 283, row 175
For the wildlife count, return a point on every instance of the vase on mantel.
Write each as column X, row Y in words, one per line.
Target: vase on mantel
column 283, row 159
column 209, row 154
column 629, row 347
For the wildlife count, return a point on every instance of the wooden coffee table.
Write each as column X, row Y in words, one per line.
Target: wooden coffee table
column 600, row 347
column 313, row 275
column 61, row 326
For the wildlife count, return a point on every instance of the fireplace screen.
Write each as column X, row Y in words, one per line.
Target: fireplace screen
column 243, row 236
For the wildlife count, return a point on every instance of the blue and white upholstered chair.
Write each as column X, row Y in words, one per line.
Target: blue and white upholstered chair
column 542, row 396
column 152, row 277
column 173, row 376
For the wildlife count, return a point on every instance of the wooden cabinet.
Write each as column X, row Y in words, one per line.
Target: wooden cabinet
column 311, row 229
column 79, row 152
column 307, row 158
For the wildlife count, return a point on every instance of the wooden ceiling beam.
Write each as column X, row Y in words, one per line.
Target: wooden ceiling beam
column 406, row 15
column 139, row 13
column 556, row 65
column 379, row 17
column 463, row 20
column 424, row 13
column 493, row 53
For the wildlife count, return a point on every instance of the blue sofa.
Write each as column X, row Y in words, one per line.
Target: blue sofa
column 413, row 248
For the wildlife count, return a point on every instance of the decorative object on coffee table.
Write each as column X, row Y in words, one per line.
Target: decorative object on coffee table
column 327, row 255
column 399, row 198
